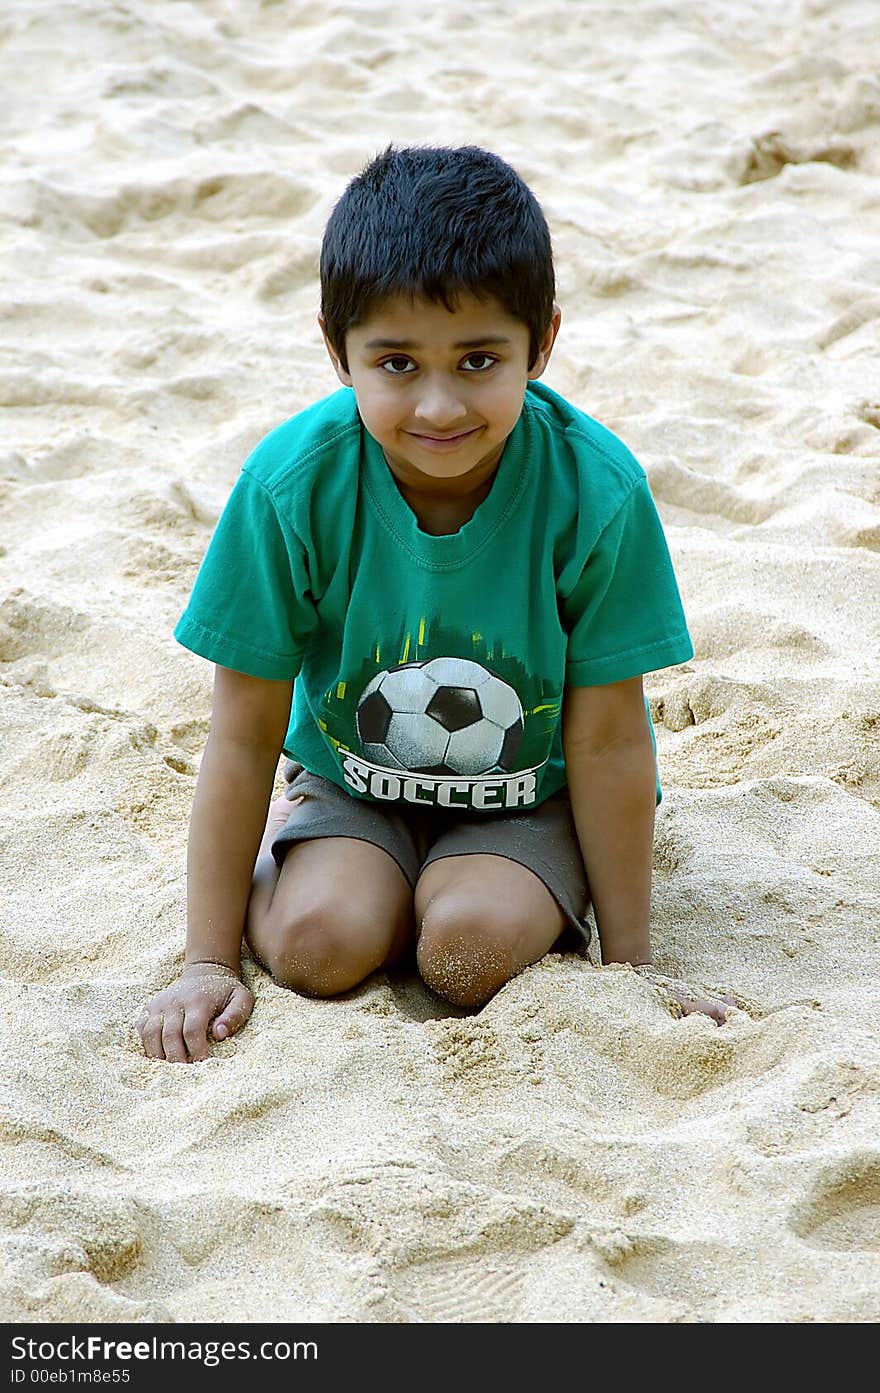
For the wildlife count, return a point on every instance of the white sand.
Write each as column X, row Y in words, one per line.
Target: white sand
column 572, row 1153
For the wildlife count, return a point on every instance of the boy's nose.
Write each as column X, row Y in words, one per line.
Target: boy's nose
column 440, row 407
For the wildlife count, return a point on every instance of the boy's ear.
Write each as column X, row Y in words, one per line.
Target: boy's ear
column 546, row 345
column 341, row 372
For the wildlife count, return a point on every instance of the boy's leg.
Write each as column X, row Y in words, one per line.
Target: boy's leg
column 338, row 909
column 480, row 919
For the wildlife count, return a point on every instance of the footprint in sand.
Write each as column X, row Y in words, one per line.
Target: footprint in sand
column 415, row 1215
column 456, row 1293
column 659, row 1267
column 841, row 1211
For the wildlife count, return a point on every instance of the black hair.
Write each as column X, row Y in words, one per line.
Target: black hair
column 436, row 222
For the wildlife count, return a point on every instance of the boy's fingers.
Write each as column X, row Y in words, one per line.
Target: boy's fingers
column 719, row 1007
column 195, row 1034
column 183, row 1033
column 234, row 1015
column 690, row 1002
column 172, row 1038
column 707, row 1007
column 149, row 1027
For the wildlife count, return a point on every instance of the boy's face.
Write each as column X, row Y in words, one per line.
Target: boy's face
column 441, row 391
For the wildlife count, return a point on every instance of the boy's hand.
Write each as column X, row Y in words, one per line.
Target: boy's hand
column 683, row 1000
column 175, row 1024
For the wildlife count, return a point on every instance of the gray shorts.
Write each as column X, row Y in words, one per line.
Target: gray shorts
column 543, row 839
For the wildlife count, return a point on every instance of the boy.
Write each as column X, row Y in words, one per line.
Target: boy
column 465, row 577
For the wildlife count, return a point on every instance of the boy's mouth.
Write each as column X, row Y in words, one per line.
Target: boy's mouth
column 443, row 442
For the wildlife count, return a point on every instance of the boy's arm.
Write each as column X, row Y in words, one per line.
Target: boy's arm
column 609, row 761
column 248, row 724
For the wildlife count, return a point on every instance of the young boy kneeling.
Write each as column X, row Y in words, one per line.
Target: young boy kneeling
column 457, row 578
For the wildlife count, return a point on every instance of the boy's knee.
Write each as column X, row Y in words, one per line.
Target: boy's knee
column 319, row 953
column 465, row 952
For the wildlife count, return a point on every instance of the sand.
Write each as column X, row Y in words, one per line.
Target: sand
column 571, row 1153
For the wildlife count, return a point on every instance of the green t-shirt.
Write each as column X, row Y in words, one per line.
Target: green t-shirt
column 430, row 669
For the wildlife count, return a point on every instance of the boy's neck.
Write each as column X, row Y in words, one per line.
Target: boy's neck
column 441, row 516
column 444, row 505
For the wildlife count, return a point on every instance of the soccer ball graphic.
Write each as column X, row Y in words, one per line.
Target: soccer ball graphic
column 442, row 716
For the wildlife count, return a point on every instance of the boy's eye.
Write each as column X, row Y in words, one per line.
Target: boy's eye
column 401, row 366
column 397, row 366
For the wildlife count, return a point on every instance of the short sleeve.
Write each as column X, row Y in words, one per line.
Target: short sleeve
column 251, row 608
column 623, row 614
